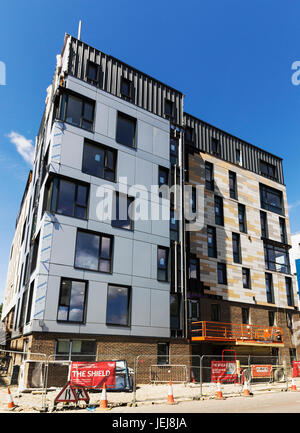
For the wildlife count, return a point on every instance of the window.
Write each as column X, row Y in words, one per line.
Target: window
column 163, row 176
column 26, row 270
column 162, row 353
column 174, row 150
column 289, row 291
column 76, row 350
column 99, row 161
column 162, row 263
column 93, row 73
column 123, row 212
column 35, row 250
column 211, row 242
column 264, row 224
column 44, row 168
column 246, row 278
column 282, row 228
column 268, row 170
column 77, row 111
column 126, row 127
column 126, row 88
column 236, row 248
column 245, row 316
column 215, row 312
column 169, row 108
column 193, row 272
column 232, row 185
column 93, row 251
column 67, row 198
column 71, row 304
column 209, row 176
column 238, row 157
column 293, row 355
column 189, row 135
column 242, row 218
column 118, row 305
column 29, row 306
column 289, row 320
column 269, row 289
column 276, row 258
column 271, row 316
column 271, row 199
column 215, row 146
column 222, row 273
column 23, row 308
column 193, row 309
column 175, row 310
column 174, row 226
column 219, row 213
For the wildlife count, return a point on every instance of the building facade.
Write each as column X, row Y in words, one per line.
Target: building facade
column 91, row 282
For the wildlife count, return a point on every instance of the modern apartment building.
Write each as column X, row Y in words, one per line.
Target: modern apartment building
column 83, row 281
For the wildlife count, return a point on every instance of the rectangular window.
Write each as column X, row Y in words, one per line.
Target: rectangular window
column 289, row 291
column 264, row 224
column 232, row 185
column 123, row 212
column 71, row 304
column 271, row 199
column 209, row 176
column 246, row 278
column 271, row 316
column 236, row 248
column 238, row 157
column 276, row 258
column 211, row 242
column 93, row 73
column 162, row 353
column 29, row 306
column 77, row 111
column 174, row 150
column 268, row 170
column 162, row 263
column 34, row 256
column 99, row 161
column 293, row 355
column 269, row 289
column 282, row 227
column 242, row 218
column 215, row 312
column 174, row 226
column 193, row 274
column 219, row 213
column 189, row 135
column 289, row 320
column 222, row 273
column 118, row 305
column 245, row 316
column 126, row 89
column 125, row 133
column 76, row 350
column 163, row 176
column 193, row 309
column 67, row 198
column 215, row 146
column 169, row 108
column 23, row 308
column 94, row 251
column 175, row 310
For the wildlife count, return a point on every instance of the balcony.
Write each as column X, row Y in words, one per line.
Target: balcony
column 240, row 334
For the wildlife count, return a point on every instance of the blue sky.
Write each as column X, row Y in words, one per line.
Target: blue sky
column 232, row 59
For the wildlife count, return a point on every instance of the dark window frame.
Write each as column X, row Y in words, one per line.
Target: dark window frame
column 164, row 269
column 163, row 359
column 96, row 81
column 246, row 273
column 271, row 251
column 106, row 166
column 215, row 146
column 237, row 254
column 129, row 303
column 116, row 222
column 283, row 232
column 212, row 250
column 215, row 312
column 233, row 190
column 245, row 316
column 266, row 202
column 269, row 288
column 242, row 218
column 289, row 291
column 222, row 273
column 128, row 96
column 219, row 218
column 62, row 109
column 131, row 119
column 268, row 170
column 264, row 224
column 171, row 114
column 209, row 176
column 70, row 294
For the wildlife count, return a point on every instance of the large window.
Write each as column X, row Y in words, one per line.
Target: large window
column 76, row 350
column 123, row 212
column 77, row 111
column 175, row 310
column 276, row 258
column 236, row 248
column 242, row 218
column 269, row 289
column 232, row 185
column 222, row 273
column 209, row 176
column 268, row 170
column 219, row 213
column 71, row 304
column 67, row 197
column 118, row 305
column 289, row 291
column 99, row 161
column 93, row 73
column 211, row 242
column 126, row 126
column 93, row 251
column 162, row 263
column 271, row 199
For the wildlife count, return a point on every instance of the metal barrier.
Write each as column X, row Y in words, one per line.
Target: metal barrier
column 162, row 373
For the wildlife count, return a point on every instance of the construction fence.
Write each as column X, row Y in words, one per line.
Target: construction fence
column 145, row 378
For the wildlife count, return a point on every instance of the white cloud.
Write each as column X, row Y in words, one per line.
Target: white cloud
column 24, row 146
column 294, row 205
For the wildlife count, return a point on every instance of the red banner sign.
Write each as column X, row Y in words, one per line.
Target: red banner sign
column 296, row 368
column 261, row 370
column 225, row 371
column 93, row 374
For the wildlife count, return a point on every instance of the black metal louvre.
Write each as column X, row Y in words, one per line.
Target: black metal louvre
column 251, row 155
column 147, row 93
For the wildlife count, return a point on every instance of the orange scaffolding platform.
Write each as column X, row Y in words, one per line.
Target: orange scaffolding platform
column 238, row 333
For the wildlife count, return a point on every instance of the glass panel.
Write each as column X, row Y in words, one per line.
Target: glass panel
column 65, row 292
column 126, row 130
column 80, row 212
column 174, row 311
column 66, row 198
column 193, row 269
column 162, row 258
column 93, row 160
column 105, row 248
column 62, row 313
column 81, row 195
column 110, row 160
column 76, row 346
column 88, row 110
column 117, row 306
column 87, row 250
column 92, row 72
column 77, row 301
column 63, row 346
column 104, row 266
column 74, row 110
